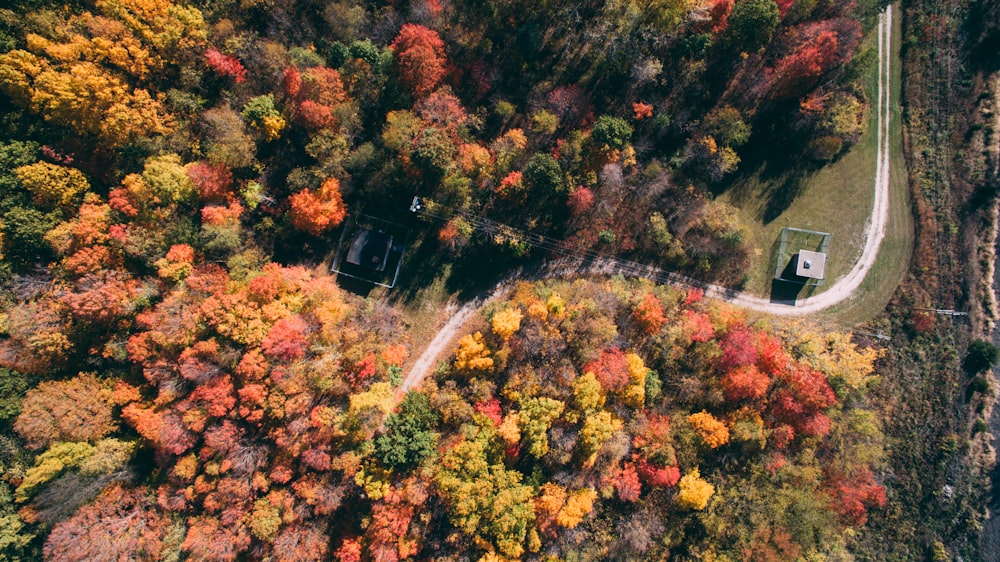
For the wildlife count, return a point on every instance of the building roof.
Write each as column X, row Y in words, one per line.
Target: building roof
column 811, row 264
column 370, row 249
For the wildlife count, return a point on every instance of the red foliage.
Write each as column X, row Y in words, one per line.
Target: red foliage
column 221, row 215
column 216, row 396
column 649, row 314
column 102, row 297
column 655, row 476
column 221, row 439
column 626, row 483
column 739, row 348
column 580, row 201
column 420, row 58
column 197, row 363
column 800, row 400
column 771, row 355
column 316, row 459
column 571, row 105
column 291, row 82
column 611, row 369
column 784, row 6
column 209, row 539
column 253, row 366
column 491, row 409
column 318, row 211
column 442, row 110
column 719, row 15
column 286, row 340
column 120, row 200
column 800, row 70
column 362, row 370
column 225, row 65
column 121, row 524
column 853, row 496
column 697, row 327
column 213, row 181
column 312, row 115
column 745, row 383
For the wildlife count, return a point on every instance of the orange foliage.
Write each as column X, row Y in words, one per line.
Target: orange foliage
column 649, row 314
column 318, row 211
column 642, row 110
column 713, row 432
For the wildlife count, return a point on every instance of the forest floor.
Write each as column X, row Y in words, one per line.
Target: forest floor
column 837, row 294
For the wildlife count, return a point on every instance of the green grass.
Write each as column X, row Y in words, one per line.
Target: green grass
column 838, row 199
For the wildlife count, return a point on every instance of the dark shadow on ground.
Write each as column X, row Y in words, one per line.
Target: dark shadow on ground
column 786, row 289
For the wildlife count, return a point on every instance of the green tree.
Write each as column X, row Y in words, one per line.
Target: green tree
column 24, row 232
column 752, row 24
column 408, row 437
column 614, row 132
column 980, row 356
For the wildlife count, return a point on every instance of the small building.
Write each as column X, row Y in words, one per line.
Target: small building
column 370, row 249
column 811, row 265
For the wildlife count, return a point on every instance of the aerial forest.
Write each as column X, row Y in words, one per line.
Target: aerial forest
column 182, row 378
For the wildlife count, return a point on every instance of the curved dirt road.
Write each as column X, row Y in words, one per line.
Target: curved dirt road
column 837, row 293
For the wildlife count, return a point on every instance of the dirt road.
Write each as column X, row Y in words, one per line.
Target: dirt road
column 840, row 291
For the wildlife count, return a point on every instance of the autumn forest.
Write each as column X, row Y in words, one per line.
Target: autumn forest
column 182, row 378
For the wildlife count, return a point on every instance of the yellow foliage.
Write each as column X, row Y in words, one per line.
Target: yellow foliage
column 597, row 429
column 556, row 305
column 507, row 322
column 52, row 185
column 273, row 126
column 551, row 500
column 472, row 354
column 186, row 467
column 538, row 311
column 834, row 355
column 578, row 505
column 634, row 394
column 693, row 491
column 588, row 394
column 712, row 431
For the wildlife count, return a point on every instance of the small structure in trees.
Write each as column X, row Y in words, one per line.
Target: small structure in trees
column 371, row 249
column 801, row 256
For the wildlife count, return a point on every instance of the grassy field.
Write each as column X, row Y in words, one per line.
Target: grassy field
column 838, row 199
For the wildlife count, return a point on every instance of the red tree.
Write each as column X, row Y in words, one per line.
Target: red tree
column 853, row 496
column 225, row 65
column 213, row 181
column 800, row 70
column 626, row 483
column 745, row 383
column 121, row 524
column 611, row 369
column 580, row 201
column 420, row 58
column 739, row 348
column 286, row 341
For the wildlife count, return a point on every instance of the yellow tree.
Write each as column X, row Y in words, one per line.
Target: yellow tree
column 472, row 354
column 578, row 505
column 51, row 185
column 507, row 322
column 694, row 492
column 597, row 429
